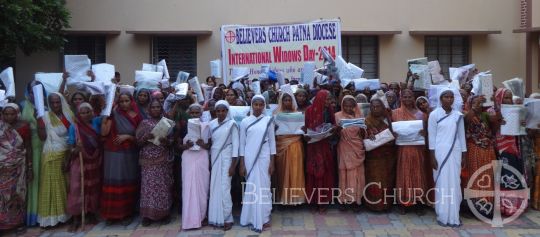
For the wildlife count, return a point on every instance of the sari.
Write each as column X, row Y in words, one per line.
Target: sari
column 12, row 177
column 509, row 153
column 195, row 183
column 351, row 156
column 257, row 145
column 447, row 140
column 121, row 169
column 320, row 163
column 480, row 153
column 37, row 147
column 92, row 158
column 225, row 141
column 288, row 178
column 52, row 186
column 156, row 174
column 411, row 184
column 380, row 167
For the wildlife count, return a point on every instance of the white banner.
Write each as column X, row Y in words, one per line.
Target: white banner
column 284, row 46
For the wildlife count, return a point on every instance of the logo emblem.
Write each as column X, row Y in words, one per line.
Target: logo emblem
column 230, row 37
column 511, row 180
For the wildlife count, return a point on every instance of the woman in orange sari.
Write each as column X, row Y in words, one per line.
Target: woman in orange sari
column 288, row 177
column 411, row 185
column 481, row 152
column 351, row 155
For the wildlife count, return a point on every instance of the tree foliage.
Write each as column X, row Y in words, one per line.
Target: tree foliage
column 31, row 26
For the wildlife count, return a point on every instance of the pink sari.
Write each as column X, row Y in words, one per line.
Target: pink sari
column 195, row 184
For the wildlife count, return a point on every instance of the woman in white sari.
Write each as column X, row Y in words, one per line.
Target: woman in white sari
column 447, row 145
column 257, row 151
column 224, row 154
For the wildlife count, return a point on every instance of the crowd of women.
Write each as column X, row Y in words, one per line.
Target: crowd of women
column 73, row 162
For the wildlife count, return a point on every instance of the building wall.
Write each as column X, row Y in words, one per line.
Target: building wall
column 504, row 53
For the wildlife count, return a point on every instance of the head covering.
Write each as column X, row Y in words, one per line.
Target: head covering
column 279, row 109
column 357, row 110
column 315, row 112
column 468, row 105
column 381, row 96
column 257, row 97
column 499, row 96
column 224, row 103
column 444, row 92
column 13, row 106
column 421, row 98
column 156, row 93
column 66, row 111
column 85, row 105
column 195, row 105
column 390, row 93
column 361, row 98
column 142, row 90
column 535, row 95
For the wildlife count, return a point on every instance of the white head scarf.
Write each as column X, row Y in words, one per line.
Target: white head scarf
column 257, row 97
column 443, row 92
column 15, row 107
column 66, row 110
column 84, row 105
column 226, row 105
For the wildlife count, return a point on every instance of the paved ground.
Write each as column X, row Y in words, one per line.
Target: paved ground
column 302, row 222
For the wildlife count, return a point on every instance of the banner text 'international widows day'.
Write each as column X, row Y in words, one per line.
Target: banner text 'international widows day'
column 280, row 34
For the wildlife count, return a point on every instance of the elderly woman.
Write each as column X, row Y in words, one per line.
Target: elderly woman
column 392, row 99
column 86, row 148
column 195, row 174
column 53, row 129
column 380, row 163
column 351, row 155
column 15, row 167
column 120, row 161
column 156, row 169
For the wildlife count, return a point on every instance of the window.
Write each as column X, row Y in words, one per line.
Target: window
column 93, row 46
column 451, row 51
column 362, row 51
column 179, row 52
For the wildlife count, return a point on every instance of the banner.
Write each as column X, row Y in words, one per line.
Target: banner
column 286, row 47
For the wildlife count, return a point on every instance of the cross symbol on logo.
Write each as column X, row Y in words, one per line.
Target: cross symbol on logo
column 230, row 36
column 470, row 194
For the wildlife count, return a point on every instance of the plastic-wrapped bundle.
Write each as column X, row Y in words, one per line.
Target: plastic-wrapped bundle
column 196, row 86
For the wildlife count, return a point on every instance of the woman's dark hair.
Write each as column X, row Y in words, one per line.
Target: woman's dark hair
column 85, row 98
column 235, row 93
column 211, row 78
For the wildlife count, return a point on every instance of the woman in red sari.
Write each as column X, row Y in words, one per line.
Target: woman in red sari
column 121, row 166
column 320, row 164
